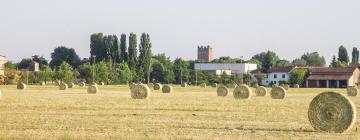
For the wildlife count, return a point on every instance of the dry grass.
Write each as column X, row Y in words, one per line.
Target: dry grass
column 189, row 113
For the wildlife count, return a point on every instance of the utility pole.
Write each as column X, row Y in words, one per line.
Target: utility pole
column 196, row 78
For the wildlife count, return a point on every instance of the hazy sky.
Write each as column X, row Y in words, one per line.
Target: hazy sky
column 232, row 27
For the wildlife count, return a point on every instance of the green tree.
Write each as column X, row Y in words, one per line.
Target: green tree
column 355, row 56
column 46, row 74
column 298, row 76
column 132, row 59
column 145, row 57
column 158, row 72
column 283, row 63
column 123, row 73
column 269, row 60
column 340, row 64
column 181, row 71
column 41, row 60
column 314, row 59
column 299, row 62
column 102, row 72
column 65, row 73
column 86, row 72
column 343, row 55
column 24, row 63
column 97, row 47
column 62, row 54
column 333, row 62
column 124, row 54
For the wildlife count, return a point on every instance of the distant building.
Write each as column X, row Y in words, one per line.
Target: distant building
column 323, row 77
column 229, row 69
column 2, row 65
column 205, row 54
column 34, row 66
column 274, row 75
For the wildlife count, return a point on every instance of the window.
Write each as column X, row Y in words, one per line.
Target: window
column 275, row 76
column 283, row 76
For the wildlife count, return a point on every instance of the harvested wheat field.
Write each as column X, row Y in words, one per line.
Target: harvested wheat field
column 44, row 112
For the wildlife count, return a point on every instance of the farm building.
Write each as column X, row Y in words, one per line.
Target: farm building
column 323, row 77
column 2, row 65
column 274, row 75
column 219, row 68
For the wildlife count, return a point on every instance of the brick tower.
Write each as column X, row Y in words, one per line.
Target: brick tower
column 205, row 53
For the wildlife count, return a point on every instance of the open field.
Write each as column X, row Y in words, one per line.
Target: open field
column 188, row 113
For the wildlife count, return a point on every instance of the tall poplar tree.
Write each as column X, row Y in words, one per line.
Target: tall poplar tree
column 132, row 51
column 124, row 54
column 145, row 57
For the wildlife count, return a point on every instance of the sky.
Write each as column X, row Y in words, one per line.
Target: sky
column 236, row 28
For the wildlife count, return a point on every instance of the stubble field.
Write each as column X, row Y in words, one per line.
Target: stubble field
column 44, row 112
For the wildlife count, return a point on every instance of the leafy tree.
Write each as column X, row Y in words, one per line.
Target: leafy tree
column 259, row 77
column 283, row 63
column 168, row 67
column 299, row 62
column 158, row 72
column 24, row 63
column 340, row 64
column 10, row 65
column 298, row 76
column 314, row 59
column 97, row 47
column 181, row 71
column 40, row 59
column 86, row 72
column 343, row 55
column 46, row 74
column 145, row 57
column 62, row 54
column 102, row 72
column 269, row 60
column 227, row 59
column 123, row 73
column 355, row 56
column 65, row 73
column 132, row 59
column 124, row 54
column 333, row 62
column 112, row 48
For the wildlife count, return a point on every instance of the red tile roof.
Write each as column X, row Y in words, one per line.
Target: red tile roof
column 325, row 73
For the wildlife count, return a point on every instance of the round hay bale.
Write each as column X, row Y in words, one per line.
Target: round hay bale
column 157, row 86
column 332, row 112
column 242, row 92
column 140, row 92
column 214, row 85
column 57, row 82
column 82, row 84
column 21, row 86
column 102, row 83
column 42, row 83
column 0, row 94
column 256, row 85
column 167, row 89
column 278, row 92
column 92, row 89
column 285, row 86
column 352, row 91
column 203, row 85
column 184, row 85
column 71, row 85
column 222, row 90
column 296, row 86
column 260, row 91
column 63, row 86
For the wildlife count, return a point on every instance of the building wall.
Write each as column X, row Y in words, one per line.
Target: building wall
column 205, row 54
column 2, row 65
column 234, row 68
column 279, row 77
column 354, row 78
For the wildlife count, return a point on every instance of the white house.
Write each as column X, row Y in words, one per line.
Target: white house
column 228, row 68
column 2, row 64
column 274, row 75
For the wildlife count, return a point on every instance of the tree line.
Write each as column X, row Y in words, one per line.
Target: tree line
column 121, row 60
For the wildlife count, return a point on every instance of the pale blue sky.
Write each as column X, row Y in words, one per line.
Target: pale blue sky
column 232, row 27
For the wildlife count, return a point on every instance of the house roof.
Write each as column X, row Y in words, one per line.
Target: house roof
column 329, row 77
column 331, row 73
column 325, row 70
column 280, row 69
